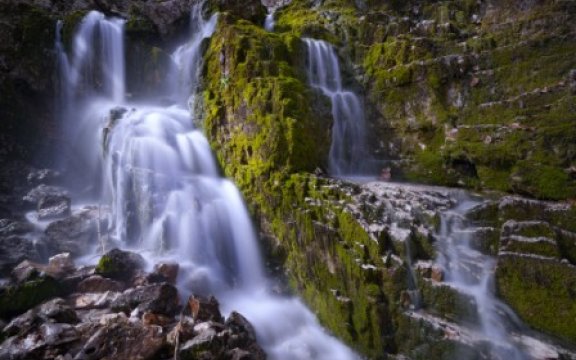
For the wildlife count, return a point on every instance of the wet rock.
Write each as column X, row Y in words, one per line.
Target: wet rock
column 18, row 298
column 10, row 227
column 204, row 309
column 73, row 234
column 120, row 265
column 94, row 300
column 243, row 334
column 58, row 311
column 149, row 318
column 14, row 250
column 167, row 272
column 98, row 284
column 42, row 176
column 252, row 10
column 44, row 342
column 182, row 332
column 26, row 271
column 41, row 191
column 121, row 339
column 61, row 264
column 53, row 207
column 158, row 299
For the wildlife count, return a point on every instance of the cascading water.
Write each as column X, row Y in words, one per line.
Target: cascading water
column 167, row 198
column 269, row 20
column 471, row 273
column 348, row 155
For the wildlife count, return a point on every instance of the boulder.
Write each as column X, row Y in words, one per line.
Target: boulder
column 14, row 250
column 73, row 234
column 120, row 265
column 43, row 190
column 158, row 299
column 205, row 309
column 121, row 339
column 53, row 207
column 42, row 176
column 18, row 298
column 165, row 272
column 98, row 284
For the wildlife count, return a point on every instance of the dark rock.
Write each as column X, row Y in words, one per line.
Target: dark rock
column 14, row 250
column 26, row 271
column 97, row 284
column 252, row 10
column 42, row 176
column 243, row 332
column 572, row 81
column 120, row 265
column 60, row 265
column 18, row 298
column 58, row 311
column 73, row 234
column 123, row 340
column 168, row 272
column 205, row 309
column 43, row 190
column 40, row 343
column 53, row 207
column 12, row 227
column 158, row 299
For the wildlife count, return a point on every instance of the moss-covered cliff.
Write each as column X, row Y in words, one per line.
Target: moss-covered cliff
column 464, row 93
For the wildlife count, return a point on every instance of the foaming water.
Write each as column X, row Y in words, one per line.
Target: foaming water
column 169, row 202
column 348, row 154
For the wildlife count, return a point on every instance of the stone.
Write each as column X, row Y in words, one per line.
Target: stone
column 61, row 264
column 204, row 309
column 18, row 298
column 43, row 190
column 149, row 318
column 14, row 250
column 167, row 272
column 73, row 234
column 120, row 265
column 123, row 340
column 53, row 207
column 94, row 300
column 58, row 311
column 157, row 298
column 99, row 284
column 42, row 176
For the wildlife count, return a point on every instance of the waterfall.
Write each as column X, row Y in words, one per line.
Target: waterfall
column 168, row 200
column 348, row 155
column 472, row 273
column 269, row 20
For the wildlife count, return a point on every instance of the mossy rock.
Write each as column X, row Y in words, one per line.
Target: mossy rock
column 542, row 292
column 17, row 299
column 118, row 264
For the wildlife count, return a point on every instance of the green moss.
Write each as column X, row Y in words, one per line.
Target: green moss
column 17, row 299
column 543, row 293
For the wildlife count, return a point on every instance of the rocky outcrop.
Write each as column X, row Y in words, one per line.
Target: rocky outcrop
column 92, row 319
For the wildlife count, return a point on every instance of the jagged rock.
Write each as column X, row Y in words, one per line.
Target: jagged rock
column 97, row 284
column 158, row 299
column 42, row 176
column 120, row 339
column 73, row 234
column 18, row 298
column 94, row 300
column 14, row 250
column 10, row 227
column 252, row 10
column 43, row 190
column 205, row 309
column 120, row 265
column 41, row 343
column 167, row 272
column 53, row 207
column 61, row 264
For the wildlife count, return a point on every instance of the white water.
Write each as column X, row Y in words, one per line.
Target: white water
column 269, row 20
column 167, row 198
column 472, row 273
column 348, row 155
